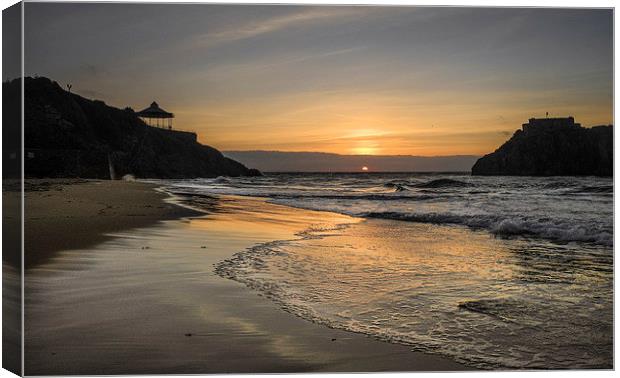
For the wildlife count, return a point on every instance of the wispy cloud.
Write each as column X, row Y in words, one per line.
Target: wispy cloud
column 271, row 25
column 227, row 71
column 239, row 31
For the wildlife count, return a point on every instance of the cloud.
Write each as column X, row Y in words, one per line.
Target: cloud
column 273, row 24
column 227, row 71
column 239, row 31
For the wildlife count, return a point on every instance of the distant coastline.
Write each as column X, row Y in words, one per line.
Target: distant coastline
column 322, row 162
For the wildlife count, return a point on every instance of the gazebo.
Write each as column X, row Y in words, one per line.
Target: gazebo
column 156, row 116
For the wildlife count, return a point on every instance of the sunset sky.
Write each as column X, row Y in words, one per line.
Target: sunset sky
column 350, row 80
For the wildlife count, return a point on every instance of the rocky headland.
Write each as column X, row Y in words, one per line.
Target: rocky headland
column 66, row 135
column 552, row 147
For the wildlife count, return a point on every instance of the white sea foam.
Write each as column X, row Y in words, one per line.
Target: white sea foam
column 563, row 209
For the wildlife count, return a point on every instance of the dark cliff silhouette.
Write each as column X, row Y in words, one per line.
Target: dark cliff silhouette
column 67, row 135
column 552, row 147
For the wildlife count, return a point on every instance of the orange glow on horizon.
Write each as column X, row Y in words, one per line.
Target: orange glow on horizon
column 364, row 168
column 365, row 124
column 364, row 150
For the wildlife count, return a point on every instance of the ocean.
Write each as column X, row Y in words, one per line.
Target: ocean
column 493, row 272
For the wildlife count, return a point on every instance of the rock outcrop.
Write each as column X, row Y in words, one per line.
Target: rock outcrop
column 66, row 135
column 552, row 147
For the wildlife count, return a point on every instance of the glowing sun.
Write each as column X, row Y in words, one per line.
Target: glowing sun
column 364, row 168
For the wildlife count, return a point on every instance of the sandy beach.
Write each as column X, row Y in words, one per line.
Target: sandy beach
column 66, row 214
column 121, row 280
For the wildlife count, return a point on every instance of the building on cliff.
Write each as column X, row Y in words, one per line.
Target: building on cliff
column 550, row 123
column 67, row 135
column 552, row 147
column 156, row 116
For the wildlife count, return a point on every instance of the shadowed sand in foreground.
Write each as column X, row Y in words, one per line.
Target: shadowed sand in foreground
column 105, row 297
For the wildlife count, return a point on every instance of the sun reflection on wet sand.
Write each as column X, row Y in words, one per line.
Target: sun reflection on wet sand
column 462, row 293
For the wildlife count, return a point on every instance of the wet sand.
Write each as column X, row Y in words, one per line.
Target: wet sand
column 127, row 292
column 65, row 214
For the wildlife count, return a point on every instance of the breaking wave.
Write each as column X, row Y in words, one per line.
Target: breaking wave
column 559, row 230
column 221, row 180
column 443, row 183
column 562, row 209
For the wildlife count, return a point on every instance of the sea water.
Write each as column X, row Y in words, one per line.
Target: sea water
column 494, row 272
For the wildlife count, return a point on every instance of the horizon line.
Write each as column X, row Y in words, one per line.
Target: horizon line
column 367, row 155
column 367, row 172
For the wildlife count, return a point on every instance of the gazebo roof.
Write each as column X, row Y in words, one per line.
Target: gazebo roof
column 154, row 111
